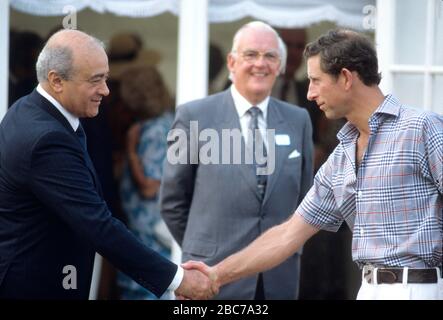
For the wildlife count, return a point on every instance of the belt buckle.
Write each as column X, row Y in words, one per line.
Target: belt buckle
column 368, row 273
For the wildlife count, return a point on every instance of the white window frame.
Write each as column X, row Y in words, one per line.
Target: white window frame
column 384, row 36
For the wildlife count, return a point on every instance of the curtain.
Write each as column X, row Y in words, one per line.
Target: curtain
column 279, row 13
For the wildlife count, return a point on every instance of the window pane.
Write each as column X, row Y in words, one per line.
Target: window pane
column 409, row 89
column 437, row 96
column 410, row 33
column 438, row 52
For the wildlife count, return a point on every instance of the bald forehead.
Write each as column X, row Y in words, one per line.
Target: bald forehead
column 66, row 36
column 74, row 39
column 254, row 29
column 87, row 53
column 254, row 33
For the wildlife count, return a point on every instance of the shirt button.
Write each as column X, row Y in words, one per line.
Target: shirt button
column 360, row 194
column 362, row 231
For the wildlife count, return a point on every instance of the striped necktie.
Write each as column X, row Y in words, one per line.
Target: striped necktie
column 259, row 151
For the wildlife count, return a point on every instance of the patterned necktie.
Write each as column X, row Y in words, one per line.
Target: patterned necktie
column 81, row 135
column 259, row 151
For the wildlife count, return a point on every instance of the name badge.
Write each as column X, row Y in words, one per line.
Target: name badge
column 282, row 140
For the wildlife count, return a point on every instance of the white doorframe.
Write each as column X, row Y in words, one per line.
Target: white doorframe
column 385, row 43
column 192, row 66
column 4, row 56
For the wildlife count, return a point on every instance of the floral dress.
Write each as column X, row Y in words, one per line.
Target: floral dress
column 143, row 214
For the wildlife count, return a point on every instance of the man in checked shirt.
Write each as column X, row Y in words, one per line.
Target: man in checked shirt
column 384, row 179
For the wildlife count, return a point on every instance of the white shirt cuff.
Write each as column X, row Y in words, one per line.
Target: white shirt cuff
column 176, row 282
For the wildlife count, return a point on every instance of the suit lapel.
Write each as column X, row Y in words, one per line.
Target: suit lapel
column 49, row 108
column 53, row 111
column 276, row 121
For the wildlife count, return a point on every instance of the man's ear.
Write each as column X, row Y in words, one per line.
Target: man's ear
column 55, row 81
column 347, row 78
column 230, row 61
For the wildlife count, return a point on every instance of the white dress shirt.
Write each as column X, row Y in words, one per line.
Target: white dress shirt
column 242, row 106
column 72, row 119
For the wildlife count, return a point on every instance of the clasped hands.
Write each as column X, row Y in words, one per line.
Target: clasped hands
column 200, row 282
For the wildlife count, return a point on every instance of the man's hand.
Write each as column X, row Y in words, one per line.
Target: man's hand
column 196, row 285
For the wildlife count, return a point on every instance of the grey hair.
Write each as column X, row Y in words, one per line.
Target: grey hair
column 57, row 58
column 60, row 59
column 283, row 54
column 259, row 24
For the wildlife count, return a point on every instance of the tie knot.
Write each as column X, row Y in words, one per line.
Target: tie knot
column 81, row 135
column 80, row 132
column 254, row 111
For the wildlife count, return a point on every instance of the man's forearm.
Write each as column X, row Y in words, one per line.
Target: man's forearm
column 269, row 250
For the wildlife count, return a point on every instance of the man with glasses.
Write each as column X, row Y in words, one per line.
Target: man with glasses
column 52, row 214
column 214, row 208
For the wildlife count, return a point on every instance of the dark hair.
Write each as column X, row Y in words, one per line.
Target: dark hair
column 143, row 90
column 24, row 49
column 340, row 49
column 216, row 61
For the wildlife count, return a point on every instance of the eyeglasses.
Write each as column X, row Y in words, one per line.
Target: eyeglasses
column 252, row 56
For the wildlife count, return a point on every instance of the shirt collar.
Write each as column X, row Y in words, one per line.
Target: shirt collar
column 242, row 105
column 390, row 106
column 73, row 120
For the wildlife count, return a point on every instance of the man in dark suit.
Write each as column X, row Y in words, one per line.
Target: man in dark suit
column 52, row 214
column 215, row 208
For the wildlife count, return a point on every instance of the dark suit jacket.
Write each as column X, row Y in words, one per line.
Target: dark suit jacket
column 214, row 210
column 52, row 214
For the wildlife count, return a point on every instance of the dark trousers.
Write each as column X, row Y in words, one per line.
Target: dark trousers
column 260, row 290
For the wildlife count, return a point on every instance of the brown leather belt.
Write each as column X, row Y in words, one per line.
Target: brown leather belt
column 395, row 275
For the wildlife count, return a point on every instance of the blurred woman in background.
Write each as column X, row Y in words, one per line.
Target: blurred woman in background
column 144, row 91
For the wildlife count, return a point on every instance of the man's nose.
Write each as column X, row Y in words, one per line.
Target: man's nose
column 311, row 94
column 104, row 90
column 260, row 60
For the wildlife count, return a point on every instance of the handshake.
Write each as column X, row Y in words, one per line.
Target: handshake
column 200, row 282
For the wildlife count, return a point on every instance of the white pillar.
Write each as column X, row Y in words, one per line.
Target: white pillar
column 192, row 65
column 192, row 72
column 384, row 39
column 96, row 275
column 4, row 56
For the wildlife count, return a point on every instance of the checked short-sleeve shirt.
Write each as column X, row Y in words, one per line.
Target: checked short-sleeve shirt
column 393, row 201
